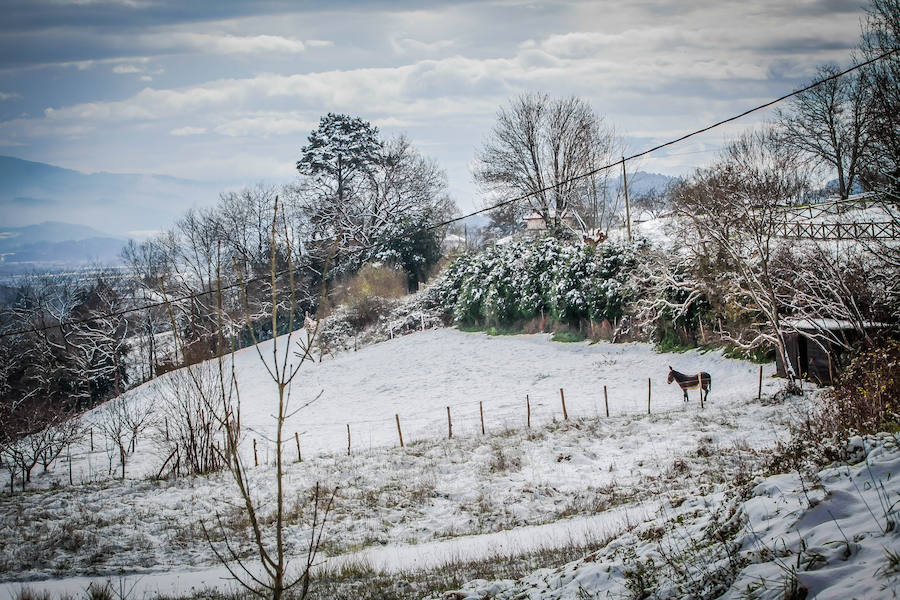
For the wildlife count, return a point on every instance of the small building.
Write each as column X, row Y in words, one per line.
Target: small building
column 535, row 222
column 810, row 353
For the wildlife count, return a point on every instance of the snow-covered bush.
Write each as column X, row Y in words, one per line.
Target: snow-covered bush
column 866, row 398
column 525, row 279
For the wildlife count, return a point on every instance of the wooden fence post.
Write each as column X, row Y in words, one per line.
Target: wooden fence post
column 255, row 456
column 648, row 395
column 348, row 439
column 481, row 411
column 92, row 439
column 528, row 408
column 606, row 401
column 167, row 429
column 399, row 431
column 299, row 456
column 449, row 425
column 562, row 397
column 759, row 391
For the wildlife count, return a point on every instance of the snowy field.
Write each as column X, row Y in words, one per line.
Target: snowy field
column 401, row 508
column 833, row 536
column 417, row 377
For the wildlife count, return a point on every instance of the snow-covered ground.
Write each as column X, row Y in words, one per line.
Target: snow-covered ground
column 833, row 536
column 434, row 490
column 417, row 377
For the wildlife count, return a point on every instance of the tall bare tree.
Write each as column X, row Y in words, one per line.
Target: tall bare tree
column 830, row 123
column 881, row 33
column 543, row 147
column 733, row 212
column 276, row 576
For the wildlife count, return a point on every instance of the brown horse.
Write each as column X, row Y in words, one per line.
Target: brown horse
column 701, row 380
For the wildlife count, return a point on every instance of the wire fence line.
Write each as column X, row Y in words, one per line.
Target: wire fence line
column 476, row 418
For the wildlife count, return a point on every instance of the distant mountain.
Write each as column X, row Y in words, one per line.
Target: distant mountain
column 53, row 245
column 31, row 192
column 68, row 252
column 642, row 181
column 48, row 231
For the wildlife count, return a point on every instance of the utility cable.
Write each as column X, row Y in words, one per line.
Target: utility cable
column 507, row 202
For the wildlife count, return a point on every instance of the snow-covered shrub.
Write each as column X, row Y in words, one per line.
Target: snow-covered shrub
column 526, row 279
column 866, row 398
column 346, row 329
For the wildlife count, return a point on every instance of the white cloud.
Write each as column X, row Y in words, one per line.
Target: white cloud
column 407, row 45
column 267, row 125
column 221, row 43
column 9, row 96
column 188, row 130
column 124, row 69
column 440, row 73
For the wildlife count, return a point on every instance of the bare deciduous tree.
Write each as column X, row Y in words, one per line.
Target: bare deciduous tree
column 276, row 576
column 191, row 425
column 538, row 147
column 881, row 33
column 122, row 420
column 733, row 212
column 830, row 124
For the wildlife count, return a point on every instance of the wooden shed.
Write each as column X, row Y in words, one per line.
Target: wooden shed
column 813, row 357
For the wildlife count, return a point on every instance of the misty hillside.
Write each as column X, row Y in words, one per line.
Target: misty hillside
column 30, row 192
column 52, row 245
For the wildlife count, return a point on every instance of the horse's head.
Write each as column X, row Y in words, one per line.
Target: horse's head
column 671, row 375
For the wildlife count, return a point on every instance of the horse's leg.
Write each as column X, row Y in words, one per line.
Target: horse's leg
column 685, row 395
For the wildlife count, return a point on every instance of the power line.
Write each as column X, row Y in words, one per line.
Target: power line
column 666, row 144
column 507, row 202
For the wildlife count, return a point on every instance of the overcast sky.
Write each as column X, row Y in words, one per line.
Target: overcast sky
column 228, row 91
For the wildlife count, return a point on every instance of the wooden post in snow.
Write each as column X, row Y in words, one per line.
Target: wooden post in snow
column 299, row 456
column 399, row 431
column 481, row 411
column 759, row 391
column 255, row 455
column 606, row 401
column 528, row 409
column 562, row 397
column 648, row 395
column 449, row 425
column 348, row 439
column 92, row 439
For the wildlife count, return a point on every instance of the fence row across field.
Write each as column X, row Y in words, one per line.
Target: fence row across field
column 475, row 418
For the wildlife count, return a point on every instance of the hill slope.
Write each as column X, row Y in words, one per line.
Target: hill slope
column 30, row 192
